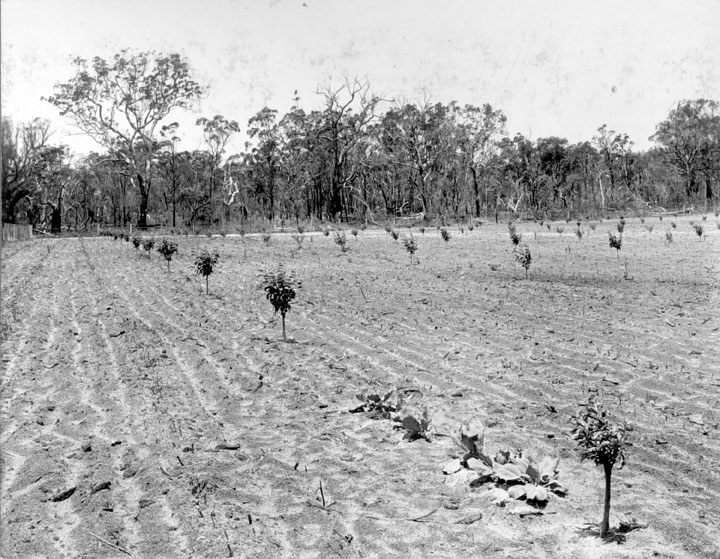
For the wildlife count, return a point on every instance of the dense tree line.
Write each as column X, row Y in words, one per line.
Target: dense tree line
column 357, row 156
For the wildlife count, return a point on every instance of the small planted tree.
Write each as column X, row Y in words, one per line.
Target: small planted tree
column 603, row 441
column 514, row 237
column 341, row 240
column 148, row 246
column 136, row 242
column 411, row 246
column 445, row 234
column 205, row 263
column 615, row 242
column 698, row 230
column 523, row 257
column 280, row 288
column 621, row 225
column 167, row 249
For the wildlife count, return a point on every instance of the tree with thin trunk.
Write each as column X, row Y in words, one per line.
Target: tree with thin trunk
column 280, row 288
column 120, row 103
column 603, row 441
column 205, row 263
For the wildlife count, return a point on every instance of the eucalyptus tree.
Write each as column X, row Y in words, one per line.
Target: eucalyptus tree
column 344, row 122
column 121, row 102
column 22, row 146
column 690, row 139
column 479, row 131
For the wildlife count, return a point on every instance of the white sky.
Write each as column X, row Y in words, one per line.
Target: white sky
column 554, row 67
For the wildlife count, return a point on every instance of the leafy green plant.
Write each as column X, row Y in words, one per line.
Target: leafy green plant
column 266, row 238
column 445, row 234
column 523, row 257
column 579, row 234
column 379, row 407
column 388, row 229
column 300, row 229
column 410, row 246
column 615, row 242
column 669, row 236
column 326, row 231
column 167, row 249
column 354, row 232
column 341, row 240
column 603, row 441
column 592, row 226
column 394, row 234
column 205, row 263
column 416, row 424
column 470, row 227
column 673, row 224
column 136, row 242
column 522, row 476
column 280, row 289
column 649, row 228
column 621, row 225
column 558, row 229
column 422, row 230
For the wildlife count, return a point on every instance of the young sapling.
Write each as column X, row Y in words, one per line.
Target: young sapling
column 445, row 234
column 603, row 441
column 280, row 288
column 523, row 257
column 148, row 246
column 411, row 246
column 167, row 249
column 341, row 240
column 205, row 263
column 615, row 242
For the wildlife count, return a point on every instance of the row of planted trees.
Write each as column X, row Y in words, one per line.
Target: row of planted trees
column 357, row 156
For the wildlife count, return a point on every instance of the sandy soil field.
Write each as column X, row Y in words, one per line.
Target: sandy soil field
column 143, row 418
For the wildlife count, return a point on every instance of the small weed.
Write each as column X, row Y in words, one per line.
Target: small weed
column 560, row 229
column 669, row 236
column 649, row 228
column 445, row 234
column 354, row 232
column 416, row 424
column 615, row 242
column 136, row 242
column 266, row 238
column 394, row 234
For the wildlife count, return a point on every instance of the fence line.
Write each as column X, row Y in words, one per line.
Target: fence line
column 15, row 232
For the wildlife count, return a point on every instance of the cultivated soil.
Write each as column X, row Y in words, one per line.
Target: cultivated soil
column 143, row 418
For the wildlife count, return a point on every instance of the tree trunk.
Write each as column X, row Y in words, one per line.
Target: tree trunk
column 605, row 524
column 144, row 192
column 207, row 285
column 283, row 326
column 56, row 220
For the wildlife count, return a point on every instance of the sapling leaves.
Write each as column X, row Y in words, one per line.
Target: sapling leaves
column 205, row 263
column 280, row 289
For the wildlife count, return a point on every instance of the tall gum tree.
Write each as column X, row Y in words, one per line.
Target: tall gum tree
column 120, row 103
column 690, row 137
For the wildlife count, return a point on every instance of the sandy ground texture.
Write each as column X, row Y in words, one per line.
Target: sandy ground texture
column 143, row 418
